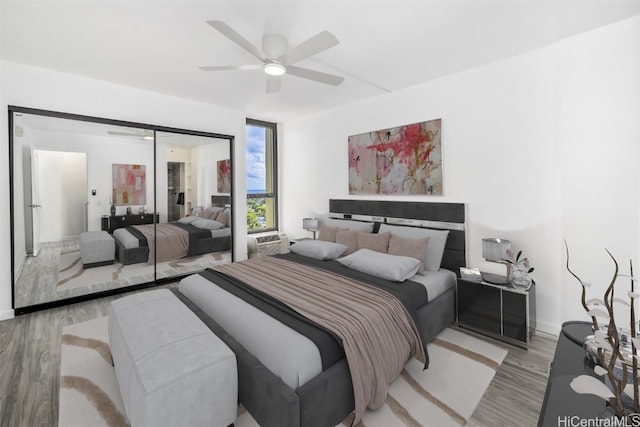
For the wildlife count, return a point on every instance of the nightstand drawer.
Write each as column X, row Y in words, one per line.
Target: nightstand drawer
column 514, row 303
column 475, row 294
column 500, row 311
column 482, row 318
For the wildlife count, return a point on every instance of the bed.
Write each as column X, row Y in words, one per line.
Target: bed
column 310, row 395
column 207, row 231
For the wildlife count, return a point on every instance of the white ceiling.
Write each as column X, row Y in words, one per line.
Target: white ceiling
column 384, row 46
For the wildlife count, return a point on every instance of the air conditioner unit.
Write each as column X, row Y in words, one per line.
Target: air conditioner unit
column 271, row 244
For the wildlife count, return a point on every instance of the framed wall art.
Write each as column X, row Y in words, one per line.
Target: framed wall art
column 129, row 184
column 403, row 160
column 224, row 176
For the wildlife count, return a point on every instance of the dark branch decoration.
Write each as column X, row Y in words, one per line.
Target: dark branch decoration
column 612, row 349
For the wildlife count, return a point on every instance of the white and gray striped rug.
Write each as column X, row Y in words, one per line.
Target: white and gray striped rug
column 446, row 394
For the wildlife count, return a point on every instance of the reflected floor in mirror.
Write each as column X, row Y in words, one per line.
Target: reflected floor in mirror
column 57, row 273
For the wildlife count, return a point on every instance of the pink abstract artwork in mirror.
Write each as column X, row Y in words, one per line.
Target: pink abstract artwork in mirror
column 129, row 185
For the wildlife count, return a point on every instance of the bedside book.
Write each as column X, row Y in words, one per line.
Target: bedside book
column 470, row 274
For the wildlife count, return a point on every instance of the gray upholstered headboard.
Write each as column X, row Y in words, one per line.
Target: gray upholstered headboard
column 443, row 216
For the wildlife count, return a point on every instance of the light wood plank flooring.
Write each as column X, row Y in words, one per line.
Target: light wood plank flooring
column 30, row 363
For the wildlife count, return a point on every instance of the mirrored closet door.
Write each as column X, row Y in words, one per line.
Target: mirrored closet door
column 98, row 205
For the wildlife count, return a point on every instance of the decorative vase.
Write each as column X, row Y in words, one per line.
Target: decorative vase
column 113, row 210
column 519, row 277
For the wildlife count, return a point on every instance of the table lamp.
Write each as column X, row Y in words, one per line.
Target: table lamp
column 311, row 224
column 495, row 250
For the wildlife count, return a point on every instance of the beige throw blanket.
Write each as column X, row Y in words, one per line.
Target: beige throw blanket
column 172, row 242
column 376, row 330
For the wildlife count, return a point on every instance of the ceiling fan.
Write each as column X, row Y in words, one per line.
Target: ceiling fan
column 276, row 60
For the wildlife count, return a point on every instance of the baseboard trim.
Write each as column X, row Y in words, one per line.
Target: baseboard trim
column 6, row 315
column 547, row 329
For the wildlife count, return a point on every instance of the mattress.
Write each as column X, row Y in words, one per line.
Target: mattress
column 291, row 356
column 436, row 282
column 129, row 241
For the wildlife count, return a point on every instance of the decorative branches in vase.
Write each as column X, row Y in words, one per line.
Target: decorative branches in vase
column 613, row 350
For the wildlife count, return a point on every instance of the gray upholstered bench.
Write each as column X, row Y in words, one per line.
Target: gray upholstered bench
column 171, row 369
column 96, row 248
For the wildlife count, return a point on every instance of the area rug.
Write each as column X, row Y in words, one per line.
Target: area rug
column 461, row 368
column 71, row 274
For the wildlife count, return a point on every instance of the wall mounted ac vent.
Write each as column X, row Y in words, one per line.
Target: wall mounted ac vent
column 271, row 244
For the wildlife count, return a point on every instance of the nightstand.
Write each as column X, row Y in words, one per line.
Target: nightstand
column 500, row 311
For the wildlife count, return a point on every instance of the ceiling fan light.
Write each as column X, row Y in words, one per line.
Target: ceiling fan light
column 274, row 69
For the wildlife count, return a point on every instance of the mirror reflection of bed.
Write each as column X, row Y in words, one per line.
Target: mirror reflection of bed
column 63, row 192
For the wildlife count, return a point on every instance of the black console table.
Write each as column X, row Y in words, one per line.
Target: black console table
column 561, row 404
column 110, row 223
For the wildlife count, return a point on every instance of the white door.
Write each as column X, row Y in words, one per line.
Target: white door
column 34, row 204
column 63, row 195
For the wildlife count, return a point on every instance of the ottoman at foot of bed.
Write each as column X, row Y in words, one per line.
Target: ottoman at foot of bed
column 171, row 369
column 96, row 248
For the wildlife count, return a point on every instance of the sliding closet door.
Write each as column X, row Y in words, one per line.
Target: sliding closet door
column 68, row 176
column 193, row 193
column 94, row 202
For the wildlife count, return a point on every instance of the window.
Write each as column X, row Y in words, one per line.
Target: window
column 262, row 201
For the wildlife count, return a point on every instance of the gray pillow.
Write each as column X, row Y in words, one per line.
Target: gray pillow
column 318, row 249
column 435, row 248
column 188, row 219
column 390, row 267
column 207, row 224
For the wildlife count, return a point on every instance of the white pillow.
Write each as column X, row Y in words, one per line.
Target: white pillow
column 391, row 267
column 318, row 249
column 207, row 224
column 435, row 248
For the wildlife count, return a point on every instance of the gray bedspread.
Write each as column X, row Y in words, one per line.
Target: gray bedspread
column 377, row 331
column 171, row 242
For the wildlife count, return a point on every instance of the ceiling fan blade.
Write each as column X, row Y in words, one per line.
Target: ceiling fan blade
column 316, row 44
column 317, row 76
column 235, row 37
column 231, row 67
column 273, row 84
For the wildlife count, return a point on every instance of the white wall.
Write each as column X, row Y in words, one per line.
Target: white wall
column 206, row 159
column 540, row 147
column 102, row 152
column 599, row 135
column 51, row 90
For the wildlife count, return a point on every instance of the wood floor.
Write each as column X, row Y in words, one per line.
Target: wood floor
column 30, row 363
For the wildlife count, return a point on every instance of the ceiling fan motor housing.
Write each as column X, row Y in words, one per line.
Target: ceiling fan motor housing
column 274, row 45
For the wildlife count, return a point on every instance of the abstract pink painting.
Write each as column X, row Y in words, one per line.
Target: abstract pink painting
column 401, row 160
column 224, row 176
column 129, row 185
